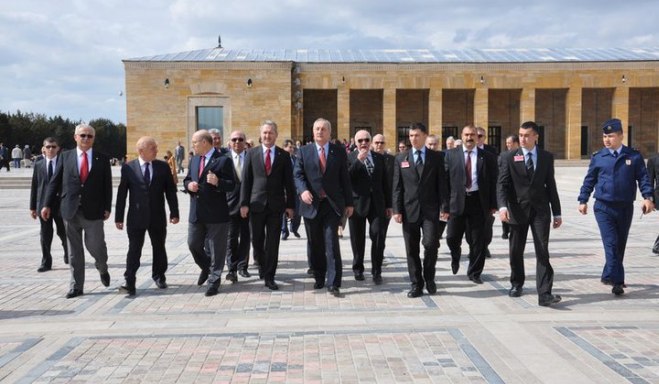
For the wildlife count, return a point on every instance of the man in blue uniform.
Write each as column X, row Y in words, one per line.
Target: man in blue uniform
column 613, row 173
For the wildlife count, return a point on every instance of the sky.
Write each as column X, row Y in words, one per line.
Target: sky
column 64, row 57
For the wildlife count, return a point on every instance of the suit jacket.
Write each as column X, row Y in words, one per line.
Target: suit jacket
column 233, row 196
column 94, row 197
column 275, row 190
column 367, row 189
column 420, row 197
column 209, row 204
column 147, row 202
column 653, row 171
column 486, row 169
column 519, row 194
column 335, row 182
column 40, row 186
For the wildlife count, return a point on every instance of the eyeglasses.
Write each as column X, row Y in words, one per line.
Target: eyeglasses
column 237, row 139
column 85, row 136
column 50, row 146
column 363, row 140
column 378, row 142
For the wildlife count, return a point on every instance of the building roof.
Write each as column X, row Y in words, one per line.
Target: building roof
column 400, row 56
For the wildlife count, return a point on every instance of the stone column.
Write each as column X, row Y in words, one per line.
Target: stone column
column 621, row 105
column 389, row 116
column 527, row 105
column 343, row 112
column 435, row 112
column 573, row 134
column 481, row 107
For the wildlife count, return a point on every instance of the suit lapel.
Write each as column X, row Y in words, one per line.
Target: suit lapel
column 135, row 166
column 479, row 162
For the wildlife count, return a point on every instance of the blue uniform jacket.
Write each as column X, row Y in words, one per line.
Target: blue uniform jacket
column 614, row 179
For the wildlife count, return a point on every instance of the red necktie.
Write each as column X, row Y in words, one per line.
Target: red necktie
column 468, row 170
column 202, row 160
column 323, row 159
column 268, row 162
column 84, row 167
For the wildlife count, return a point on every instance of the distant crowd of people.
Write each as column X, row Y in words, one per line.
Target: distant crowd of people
column 246, row 196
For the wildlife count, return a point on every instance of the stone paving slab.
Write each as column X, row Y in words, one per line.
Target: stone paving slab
column 465, row 333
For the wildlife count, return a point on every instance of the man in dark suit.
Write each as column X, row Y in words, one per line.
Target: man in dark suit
column 512, row 144
column 372, row 199
column 420, row 200
column 239, row 232
column 179, row 153
column 4, row 156
column 210, row 176
column 472, row 175
column 41, row 175
column 489, row 219
column 380, row 146
column 217, row 141
column 653, row 172
column 149, row 182
column 83, row 182
column 295, row 221
column 266, row 192
column 323, row 183
column 527, row 196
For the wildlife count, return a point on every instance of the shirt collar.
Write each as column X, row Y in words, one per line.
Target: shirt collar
column 534, row 151
column 89, row 152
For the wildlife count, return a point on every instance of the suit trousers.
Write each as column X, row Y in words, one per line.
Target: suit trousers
column 324, row 245
column 412, row 235
column 358, row 240
column 472, row 220
column 157, row 234
column 266, row 233
column 614, row 220
column 94, row 237
column 215, row 236
column 539, row 225
column 46, row 236
column 238, row 244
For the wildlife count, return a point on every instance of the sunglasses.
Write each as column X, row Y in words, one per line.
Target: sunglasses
column 378, row 142
column 363, row 140
column 50, row 146
column 237, row 139
column 85, row 136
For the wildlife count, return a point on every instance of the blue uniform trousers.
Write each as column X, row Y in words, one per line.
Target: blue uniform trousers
column 614, row 220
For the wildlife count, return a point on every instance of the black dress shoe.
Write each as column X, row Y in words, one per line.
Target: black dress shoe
column 359, row 276
column 334, row 291
column 476, row 280
column 212, row 290
column 74, row 293
column 284, row 236
column 318, row 285
column 377, row 279
column 129, row 289
column 244, row 273
column 296, row 235
column 271, row 285
column 504, row 236
column 105, row 279
column 203, row 276
column 431, row 287
column 455, row 266
column 548, row 299
column 515, row 291
column 161, row 283
column 231, row 276
column 43, row 268
column 488, row 254
column 310, row 272
column 414, row 292
column 617, row 290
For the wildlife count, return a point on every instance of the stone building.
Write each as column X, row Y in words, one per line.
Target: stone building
column 568, row 92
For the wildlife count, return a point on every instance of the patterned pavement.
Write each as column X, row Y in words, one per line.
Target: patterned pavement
column 465, row 333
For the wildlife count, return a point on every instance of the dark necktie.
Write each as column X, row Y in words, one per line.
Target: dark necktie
column 50, row 169
column 147, row 175
column 369, row 166
column 202, row 161
column 529, row 166
column 468, row 171
column 419, row 163
column 615, row 154
column 268, row 162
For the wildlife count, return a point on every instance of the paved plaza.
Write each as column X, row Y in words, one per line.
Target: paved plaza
column 466, row 333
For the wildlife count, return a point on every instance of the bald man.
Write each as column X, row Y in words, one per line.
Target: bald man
column 149, row 182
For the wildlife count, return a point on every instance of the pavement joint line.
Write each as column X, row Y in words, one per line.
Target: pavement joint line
column 17, row 351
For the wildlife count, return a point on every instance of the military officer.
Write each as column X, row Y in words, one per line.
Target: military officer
column 613, row 173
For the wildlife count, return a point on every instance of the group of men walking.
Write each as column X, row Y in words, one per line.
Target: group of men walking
column 238, row 197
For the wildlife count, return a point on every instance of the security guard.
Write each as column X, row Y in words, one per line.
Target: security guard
column 614, row 172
